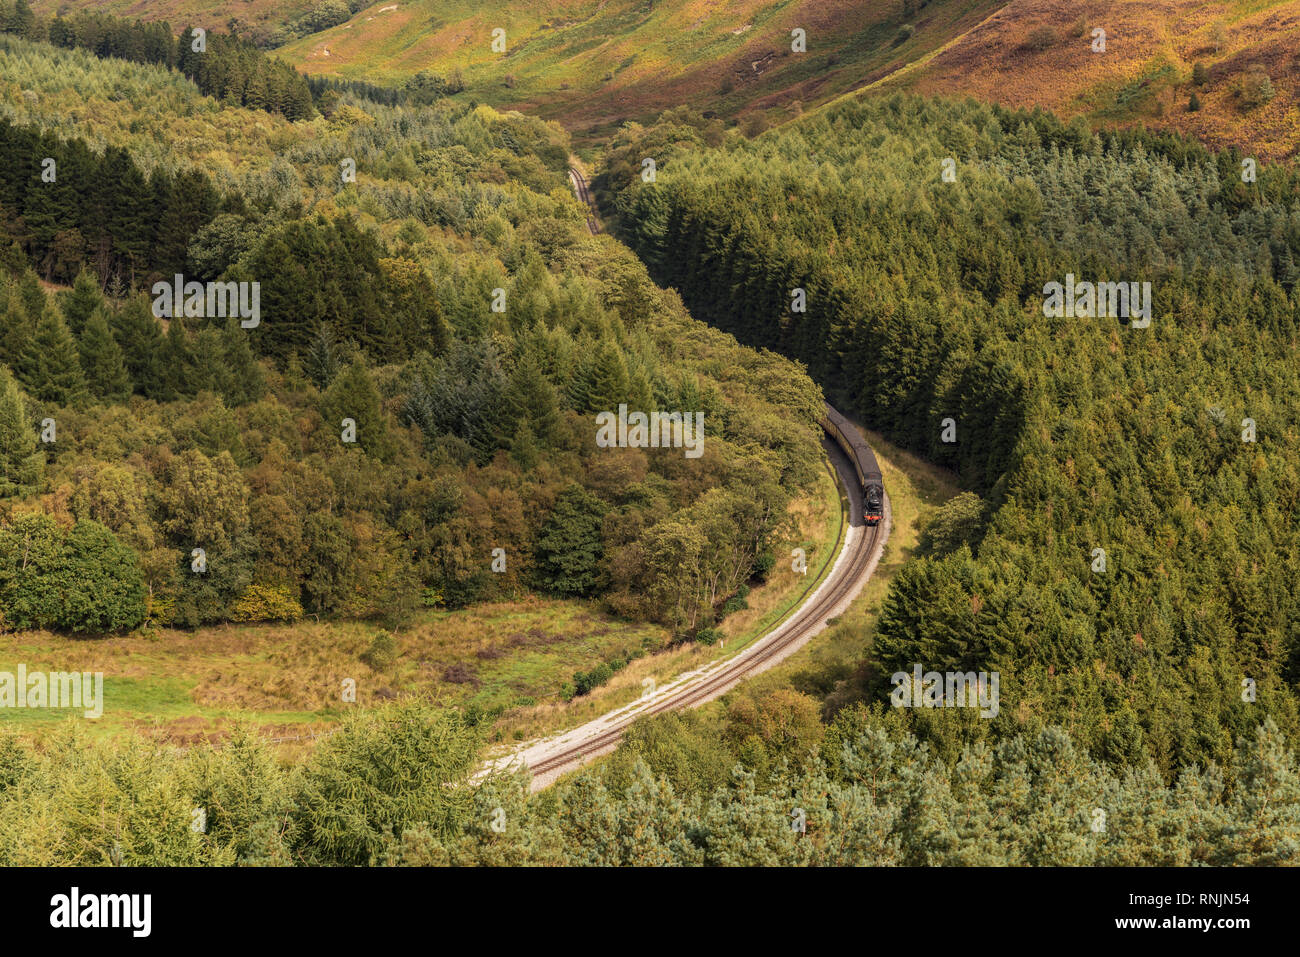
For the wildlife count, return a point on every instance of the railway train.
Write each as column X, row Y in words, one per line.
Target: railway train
column 864, row 461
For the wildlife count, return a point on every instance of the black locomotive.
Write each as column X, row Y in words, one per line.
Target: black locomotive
column 864, row 461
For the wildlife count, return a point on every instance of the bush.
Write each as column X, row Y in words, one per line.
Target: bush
column 1255, row 88
column 584, row 682
column 79, row 580
column 1041, row 38
column 1193, row 103
column 708, row 636
column 905, row 33
column 382, row 651
column 386, row 769
column 266, row 603
column 737, row 601
column 1200, row 75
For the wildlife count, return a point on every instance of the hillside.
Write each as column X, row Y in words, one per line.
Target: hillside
column 250, row 16
column 1135, row 470
column 592, row 64
column 1039, row 53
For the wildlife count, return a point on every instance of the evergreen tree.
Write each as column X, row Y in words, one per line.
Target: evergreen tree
column 211, row 372
column 324, row 357
column 50, row 368
column 21, row 463
column 609, row 381
column 83, row 299
column 531, row 399
column 570, row 548
column 353, row 396
column 141, row 338
column 177, row 360
column 245, row 381
column 102, row 361
column 16, row 326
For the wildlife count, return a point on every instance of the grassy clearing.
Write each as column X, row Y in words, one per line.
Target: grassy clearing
column 287, row 680
column 817, row 519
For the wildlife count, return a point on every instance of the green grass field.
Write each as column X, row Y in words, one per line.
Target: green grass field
column 287, row 680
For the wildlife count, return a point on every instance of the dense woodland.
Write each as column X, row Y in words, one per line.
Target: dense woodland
column 223, row 66
column 128, row 440
column 925, row 303
column 471, row 430
column 394, row 787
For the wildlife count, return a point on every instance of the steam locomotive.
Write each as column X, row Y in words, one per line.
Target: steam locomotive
column 864, row 461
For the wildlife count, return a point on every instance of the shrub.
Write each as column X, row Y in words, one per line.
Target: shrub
column 737, row 601
column 1041, row 38
column 385, row 769
column 1255, row 88
column 382, row 651
column 266, row 603
column 1200, row 75
column 708, row 636
column 80, row 580
column 585, row 681
column 1193, row 103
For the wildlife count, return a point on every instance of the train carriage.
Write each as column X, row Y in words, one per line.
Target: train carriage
column 864, row 462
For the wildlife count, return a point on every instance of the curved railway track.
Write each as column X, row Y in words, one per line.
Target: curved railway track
column 549, row 758
column 580, row 189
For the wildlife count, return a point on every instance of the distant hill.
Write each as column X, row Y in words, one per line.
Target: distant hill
column 1039, row 53
column 253, row 17
column 592, row 64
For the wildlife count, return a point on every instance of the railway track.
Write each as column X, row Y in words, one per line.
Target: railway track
column 550, row 758
column 580, row 190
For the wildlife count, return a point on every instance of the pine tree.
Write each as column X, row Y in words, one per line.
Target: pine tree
column 81, row 301
column 33, row 294
column 246, row 383
column 21, row 463
column 16, row 327
column 103, row 362
column 141, row 338
column 609, row 381
column 323, row 360
column 353, row 396
column 49, row 367
column 531, row 398
column 1263, row 827
column 211, row 374
column 177, row 360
